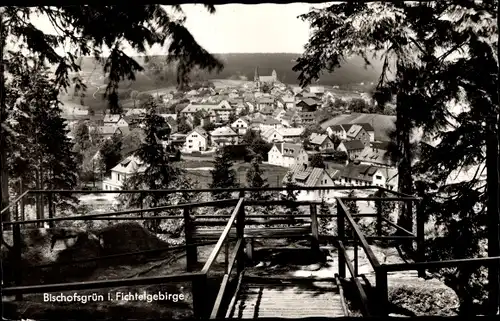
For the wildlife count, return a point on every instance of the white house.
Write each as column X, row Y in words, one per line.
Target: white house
column 355, row 174
column 287, row 155
column 125, row 169
column 270, row 123
column 338, row 130
column 241, row 125
column 317, row 89
column 320, row 142
column 302, row 175
column 115, row 120
column 272, row 135
column 291, row 134
column 196, row 141
column 353, row 148
column 223, row 136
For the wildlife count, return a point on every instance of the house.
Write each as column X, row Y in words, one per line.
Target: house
column 268, row 123
column 241, row 125
column 376, row 154
column 287, row 155
column 353, row 148
column 307, row 104
column 265, row 102
column 302, row 175
column 120, row 173
column 107, row 132
column 356, row 132
column 136, row 112
column 278, row 114
column 196, row 141
column 317, row 90
column 320, row 142
column 307, row 118
column 286, row 102
column 223, row 110
column 223, row 136
column 291, row 134
column 369, row 129
column 338, row 130
column 268, row 111
column 250, row 105
column 355, row 174
column 272, row 135
column 114, row 120
column 291, row 118
column 219, row 112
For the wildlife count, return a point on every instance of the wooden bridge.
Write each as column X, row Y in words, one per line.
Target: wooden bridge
column 243, row 294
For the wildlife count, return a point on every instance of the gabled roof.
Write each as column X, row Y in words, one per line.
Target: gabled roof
column 359, row 172
column 317, row 139
column 110, row 118
column 199, row 131
column 366, row 126
column 270, row 121
column 291, row 150
column 353, row 144
column 129, row 165
column 337, row 128
column 268, row 133
column 266, row 78
column 354, row 130
column 268, row 110
column 241, row 119
column 308, row 102
column 286, row 132
column 372, row 155
column 265, row 100
column 287, row 99
column 223, row 132
column 305, row 176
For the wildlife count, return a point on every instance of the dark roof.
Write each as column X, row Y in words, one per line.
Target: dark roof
column 353, row 144
column 366, row 126
column 309, row 101
column 359, row 172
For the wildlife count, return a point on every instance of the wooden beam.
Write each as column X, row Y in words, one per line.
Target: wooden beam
column 398, row 227
column 474, row 262
column 220, row 296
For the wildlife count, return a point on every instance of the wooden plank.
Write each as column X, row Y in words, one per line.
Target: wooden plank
column 474, row 262
column 342, row 298
column 256, row 232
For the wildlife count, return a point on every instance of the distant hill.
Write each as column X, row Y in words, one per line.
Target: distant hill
column 242, row 66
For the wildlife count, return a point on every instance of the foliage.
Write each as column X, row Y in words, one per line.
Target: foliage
column 256, row 144
column 183, row 126
column 290, row 195
column 317, row 161
column 265, row 88
column 197, row 117
column 209, row 127
column 223, row 175
column 435, row 63
column 325, row 222
column 110, row 153
column 39, row 153
column 255, row 179
column 82, row 136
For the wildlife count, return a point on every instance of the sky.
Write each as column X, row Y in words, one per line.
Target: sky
column 237, row 28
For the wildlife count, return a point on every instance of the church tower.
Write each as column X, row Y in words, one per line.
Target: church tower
column 274, row 75
column 256, row 76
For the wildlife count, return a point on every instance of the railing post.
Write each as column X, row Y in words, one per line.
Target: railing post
column 356, row 263
column 240, row 232
column 191, row 251
column 199, row 296
column 314, row 228
column 141, row 202
column 226, row 256
column 51, row 209
column 379, row 208
column 382, row 292
column 22, row 200
column 17, row 252
column 341, row 236
column 420, row 238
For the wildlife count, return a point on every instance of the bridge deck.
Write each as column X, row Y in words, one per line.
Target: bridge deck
column 288, row 300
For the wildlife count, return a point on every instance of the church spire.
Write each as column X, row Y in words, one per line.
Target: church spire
column 256, row 76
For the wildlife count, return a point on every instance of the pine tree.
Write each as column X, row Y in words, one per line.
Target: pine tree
column 291, row 210
column 82, row 135
column 223, row 175
column 110, row 153
column 112, row 26
column 40, row 153
column 324, row 222
column 255, row 179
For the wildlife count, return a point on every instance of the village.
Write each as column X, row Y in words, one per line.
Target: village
column 343, row 147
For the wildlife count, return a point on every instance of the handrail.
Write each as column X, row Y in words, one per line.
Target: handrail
column 222, row 289
column 440, row 264
column 374, row 198
column 395, row 192
column 133, row 211
column 397, row 226
column 14, row 202
column 359, row 287
column 220, row 242
column 201, row 190
column 366, row 247
column 98, row 284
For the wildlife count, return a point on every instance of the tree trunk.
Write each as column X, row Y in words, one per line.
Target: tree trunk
column 4, row 178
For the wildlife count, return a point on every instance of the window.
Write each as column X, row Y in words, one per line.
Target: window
column 378, row 177
column 190, row 141
column 118, row 177
column 194, row 135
